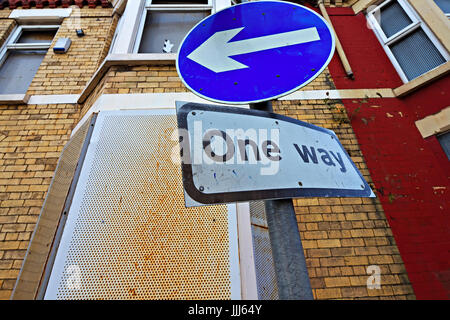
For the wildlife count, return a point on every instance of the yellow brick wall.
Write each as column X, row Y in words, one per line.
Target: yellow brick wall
column 109, row 38
column 136, row 79
column 31, row 140
column 68, row 73
column 6, row 26
column 343, row 236
column 33, row 136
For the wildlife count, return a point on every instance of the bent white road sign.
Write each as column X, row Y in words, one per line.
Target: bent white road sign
column 236, row 154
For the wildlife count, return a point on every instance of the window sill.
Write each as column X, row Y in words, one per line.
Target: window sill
column 33, row 15
column 434, row 124
column 13, row 99
column 132, row 59
column 423, row 80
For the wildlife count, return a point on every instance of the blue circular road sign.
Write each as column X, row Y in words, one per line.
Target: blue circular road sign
column 254, row 52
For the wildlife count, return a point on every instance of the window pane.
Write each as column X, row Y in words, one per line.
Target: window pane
column 416, row 54
column 37, row 36
column 444, row 5
column 173, row 26
column 444, row 140
column 393, row 19
column 19, row 69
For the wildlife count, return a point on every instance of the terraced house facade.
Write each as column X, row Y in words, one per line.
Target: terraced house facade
column 91, row 198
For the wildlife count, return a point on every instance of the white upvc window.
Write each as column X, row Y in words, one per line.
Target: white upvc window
column 158, row 27
column 21, row 56
column 164, row 24
column 408, row 42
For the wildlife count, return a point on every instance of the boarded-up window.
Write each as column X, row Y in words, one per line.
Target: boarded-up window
column 22, row 55
column 18, row 70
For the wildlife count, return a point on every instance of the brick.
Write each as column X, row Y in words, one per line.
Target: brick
column 9, row 274
column 337, row 282
column 13, row 227
column 358, row 260
column 307, row 202
column 9, row 245
column 5, row 294
column 329, row 293
column 315, row 235
column 318, row 253
column 356, row 216
column 381, row 259
column 308, row 244
column 332, row 262
column 355, row 242
column 367, row 251
column 402, row 289
column 328, row 243
column 354, row 292
column 339, row 252
column 317, row 283
column 329, row 201
column 359, row 233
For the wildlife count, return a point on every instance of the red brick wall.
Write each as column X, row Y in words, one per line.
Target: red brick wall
column 411, row 174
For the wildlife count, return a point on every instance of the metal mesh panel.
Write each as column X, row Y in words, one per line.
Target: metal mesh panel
column 393, row 19
column 262, row 250
column 416, row 54
column 128, row 233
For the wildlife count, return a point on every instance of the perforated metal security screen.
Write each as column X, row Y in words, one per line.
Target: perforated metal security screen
column 266, row 280
column 128, row 234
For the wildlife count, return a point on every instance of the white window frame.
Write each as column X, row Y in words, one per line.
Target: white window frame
column 12, row 45
column 164, row 8
column 416, row 24
column 131, row 30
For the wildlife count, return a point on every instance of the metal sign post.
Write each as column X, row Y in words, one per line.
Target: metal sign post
column 252, row 53
column 223, row 152
column 287, row 249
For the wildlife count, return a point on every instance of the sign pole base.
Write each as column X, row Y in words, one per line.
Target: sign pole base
column 289, row 259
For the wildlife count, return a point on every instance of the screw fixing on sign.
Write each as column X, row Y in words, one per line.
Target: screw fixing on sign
column 247, row 54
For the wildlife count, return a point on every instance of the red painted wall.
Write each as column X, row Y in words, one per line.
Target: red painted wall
column 411, row 174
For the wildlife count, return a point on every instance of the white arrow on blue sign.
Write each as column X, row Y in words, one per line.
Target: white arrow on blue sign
column 254, row 52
